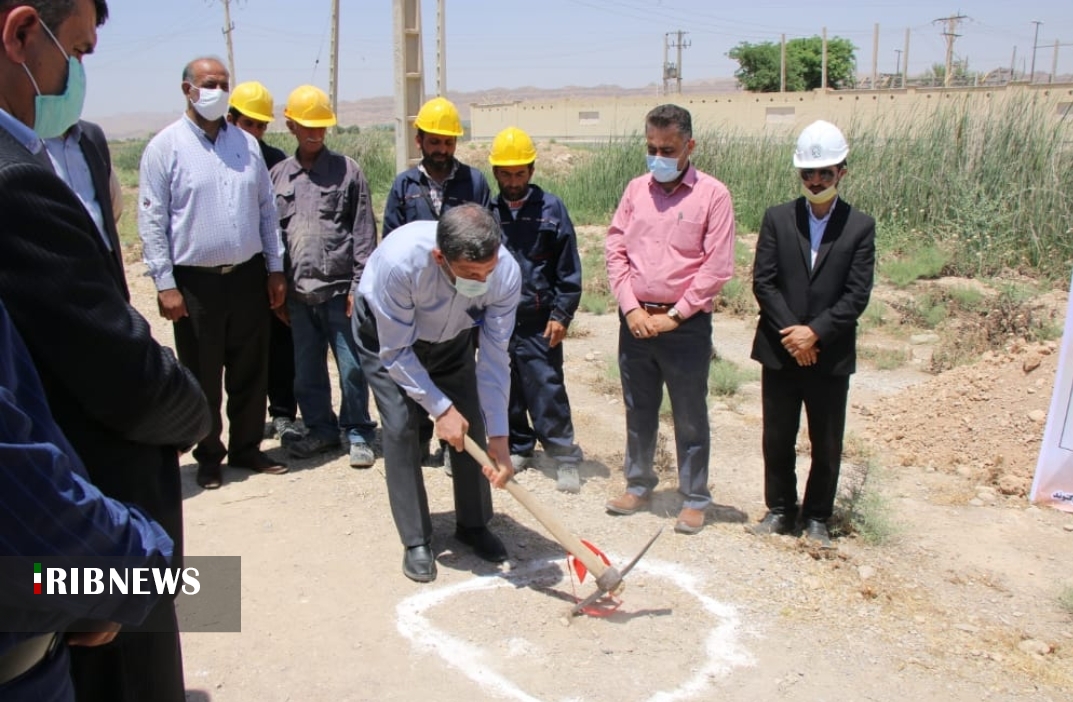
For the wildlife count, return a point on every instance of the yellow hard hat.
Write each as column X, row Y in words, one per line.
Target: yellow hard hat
column 253, row 100
column 512, row 147
column 309, row 106
column 439, row 116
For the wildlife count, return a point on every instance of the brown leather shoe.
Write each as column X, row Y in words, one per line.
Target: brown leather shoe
column 209, row 475
column 628, row 503
column 260, row 463
column 690, row 521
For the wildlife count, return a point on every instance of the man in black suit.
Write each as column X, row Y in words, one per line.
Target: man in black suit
column 126, row 404
column 815, row 261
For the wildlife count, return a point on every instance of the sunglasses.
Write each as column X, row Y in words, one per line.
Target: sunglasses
column 826, row 175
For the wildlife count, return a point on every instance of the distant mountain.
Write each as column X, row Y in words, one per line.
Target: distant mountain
column 381, row 110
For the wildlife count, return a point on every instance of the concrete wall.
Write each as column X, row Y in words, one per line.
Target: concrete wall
column 756, row 114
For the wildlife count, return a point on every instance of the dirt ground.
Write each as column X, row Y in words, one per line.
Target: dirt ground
column 961, row 604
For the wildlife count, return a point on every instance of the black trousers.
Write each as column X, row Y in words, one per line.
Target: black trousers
column 452, row 368
column 142, row 662
column 136, row 666
column 783, row 392
column 281, row 400
column 224, row 343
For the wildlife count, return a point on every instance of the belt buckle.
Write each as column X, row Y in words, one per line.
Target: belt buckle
column 224, row 270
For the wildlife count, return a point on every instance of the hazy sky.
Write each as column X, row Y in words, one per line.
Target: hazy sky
column 548, row 43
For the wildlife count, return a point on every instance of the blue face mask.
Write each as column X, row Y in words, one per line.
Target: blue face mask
column 663, row 168
column 467, row 287
column 54, row 114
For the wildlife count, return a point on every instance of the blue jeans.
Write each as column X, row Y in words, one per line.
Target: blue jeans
column 316, row 328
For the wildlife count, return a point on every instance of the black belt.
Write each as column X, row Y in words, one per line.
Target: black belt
column 23, row 656
column 217, row 270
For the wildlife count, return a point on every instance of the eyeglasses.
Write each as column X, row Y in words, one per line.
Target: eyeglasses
column 826, row 175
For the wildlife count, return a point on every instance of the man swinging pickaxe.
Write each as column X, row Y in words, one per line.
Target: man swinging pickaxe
column 609, row 580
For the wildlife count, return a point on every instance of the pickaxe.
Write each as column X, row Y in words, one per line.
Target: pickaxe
column 609, row 580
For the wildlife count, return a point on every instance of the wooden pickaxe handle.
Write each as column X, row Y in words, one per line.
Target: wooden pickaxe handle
column 543, row 515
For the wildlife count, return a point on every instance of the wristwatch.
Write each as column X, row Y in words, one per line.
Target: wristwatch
column 674, row 314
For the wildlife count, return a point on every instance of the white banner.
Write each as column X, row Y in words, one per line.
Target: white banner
column 1053, row 485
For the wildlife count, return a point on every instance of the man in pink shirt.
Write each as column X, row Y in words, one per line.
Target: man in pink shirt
column 670, row 248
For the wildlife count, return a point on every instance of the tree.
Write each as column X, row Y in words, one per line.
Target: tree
column 759, row 64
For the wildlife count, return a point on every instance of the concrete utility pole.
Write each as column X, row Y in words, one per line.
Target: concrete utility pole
column 1054, row 63
column 1013, row 65
column 1035, row 45
column 441, row 49
column 905, row 65
column 823, row 62
column 950, row 34
column 666, row 66
column 409, row 80
column 782, row 66
column 898, row 67
column 333, row 68
column 229, row 27
column 673, row 70
column 680, row 45
column 875, row 55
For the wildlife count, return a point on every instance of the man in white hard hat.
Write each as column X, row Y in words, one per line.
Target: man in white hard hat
column 815, row 261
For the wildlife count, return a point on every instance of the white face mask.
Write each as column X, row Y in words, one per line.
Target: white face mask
column 467, row 287
column 211, row 103
column 822, row 197
column 663, row 168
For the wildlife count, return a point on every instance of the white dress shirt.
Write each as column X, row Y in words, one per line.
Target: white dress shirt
column 205, row 203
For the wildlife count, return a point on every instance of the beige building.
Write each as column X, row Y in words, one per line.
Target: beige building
column 757, row 114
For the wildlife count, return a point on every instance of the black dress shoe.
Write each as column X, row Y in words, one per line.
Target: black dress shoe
column 209, row 475
column 773, row 523
column 816, row 532
column 483, row 542
column 418, row 564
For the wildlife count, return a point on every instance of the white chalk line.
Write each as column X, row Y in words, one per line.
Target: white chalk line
column 722, row 645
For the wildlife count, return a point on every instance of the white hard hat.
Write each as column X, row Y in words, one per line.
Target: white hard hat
column 820, row 144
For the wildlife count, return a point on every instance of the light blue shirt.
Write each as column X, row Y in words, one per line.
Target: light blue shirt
column 414, row 299
column 204, row 203
column 816, row 228
column 23, row 134
column 70, row 165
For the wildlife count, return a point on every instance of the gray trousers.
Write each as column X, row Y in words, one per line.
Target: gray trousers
column 452, row 368
column 680, row 359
